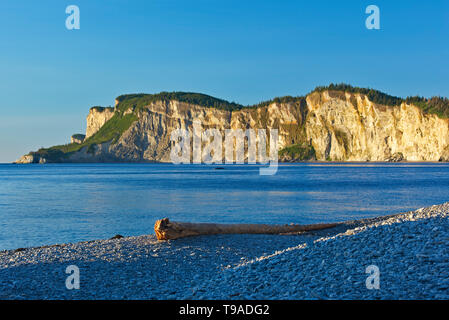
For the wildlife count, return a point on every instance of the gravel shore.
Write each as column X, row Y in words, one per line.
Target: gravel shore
column 409, row 249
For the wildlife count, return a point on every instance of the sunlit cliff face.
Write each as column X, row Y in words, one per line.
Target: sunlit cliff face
column 330, row 125
column 357, row 129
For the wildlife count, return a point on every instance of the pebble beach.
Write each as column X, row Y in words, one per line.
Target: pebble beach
column 410, row 250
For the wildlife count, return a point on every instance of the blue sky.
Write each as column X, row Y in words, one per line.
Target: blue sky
column 245, row 51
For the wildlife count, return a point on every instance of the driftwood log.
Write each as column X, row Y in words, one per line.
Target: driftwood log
column 169, row 230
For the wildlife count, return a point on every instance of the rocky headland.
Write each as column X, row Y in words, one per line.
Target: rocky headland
column 334, row 123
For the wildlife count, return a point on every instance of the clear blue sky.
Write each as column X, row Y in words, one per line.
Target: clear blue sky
column 246, row 51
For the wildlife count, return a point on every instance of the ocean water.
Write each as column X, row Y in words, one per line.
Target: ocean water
column 58, row 203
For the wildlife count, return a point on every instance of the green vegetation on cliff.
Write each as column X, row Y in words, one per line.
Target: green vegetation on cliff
column 141, row 100
column 101, row 109
column 279, row 100
column 373, row 95
column 52, row 154
column 297, row 152
column 78, row 136
column 435, row 105
column 113, row 129
column 110, row 131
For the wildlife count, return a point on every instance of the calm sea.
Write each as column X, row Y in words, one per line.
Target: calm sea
column 57, row 203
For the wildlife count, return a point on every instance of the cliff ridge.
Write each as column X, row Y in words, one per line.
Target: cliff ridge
column 334, row 123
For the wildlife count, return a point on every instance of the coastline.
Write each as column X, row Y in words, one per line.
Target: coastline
column 409, row 248
column 280, row 162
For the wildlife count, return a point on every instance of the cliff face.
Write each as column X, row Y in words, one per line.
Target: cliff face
column 323, row 126
column 96, row 118
column 148, row 138
column 355, row 129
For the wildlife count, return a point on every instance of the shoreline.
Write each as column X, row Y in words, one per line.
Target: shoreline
column 342, row 225
column 410, row 249
column 279, row 162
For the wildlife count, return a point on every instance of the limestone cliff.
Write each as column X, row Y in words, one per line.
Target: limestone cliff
column 324, row 125
column 96, row 118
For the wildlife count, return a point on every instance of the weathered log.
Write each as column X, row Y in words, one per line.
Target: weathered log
column 169, row 230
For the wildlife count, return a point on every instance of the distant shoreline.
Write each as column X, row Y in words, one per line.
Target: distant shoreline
column 225, row 164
